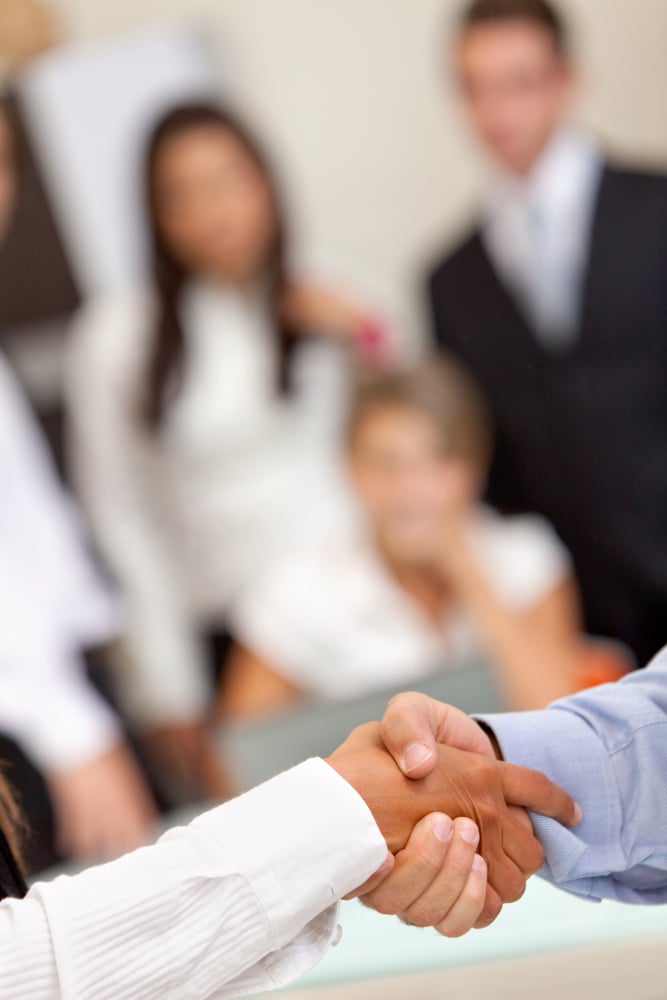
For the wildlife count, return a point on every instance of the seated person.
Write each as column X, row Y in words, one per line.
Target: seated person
column 204, row 420
column 433, row 579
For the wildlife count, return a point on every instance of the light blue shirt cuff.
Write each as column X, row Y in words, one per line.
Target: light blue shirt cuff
column 564, row 747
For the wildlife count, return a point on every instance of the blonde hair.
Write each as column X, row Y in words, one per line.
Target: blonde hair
column 440, row 390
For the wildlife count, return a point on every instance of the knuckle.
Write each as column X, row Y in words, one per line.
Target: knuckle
column 423, row 863
column 420, row 915
column 515, row 888
column 383, row 903
column 454, row 927
column 459, row 868
column 489, row 914
column 541, row 784
column 401, row 703
column 537, row 857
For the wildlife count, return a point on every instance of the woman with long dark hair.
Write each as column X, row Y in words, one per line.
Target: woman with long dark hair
column 205, row 414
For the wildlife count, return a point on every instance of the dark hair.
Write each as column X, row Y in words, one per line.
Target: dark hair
column 167, row 358
column 11, row 820
column 541, row 13
column 440, row 390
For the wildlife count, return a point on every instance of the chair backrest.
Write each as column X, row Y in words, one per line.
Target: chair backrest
column 258, row 750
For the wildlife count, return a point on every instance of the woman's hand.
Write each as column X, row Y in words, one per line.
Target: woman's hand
column 312, row 309
column 103, row 809
column 438, row 879
column 187, row 763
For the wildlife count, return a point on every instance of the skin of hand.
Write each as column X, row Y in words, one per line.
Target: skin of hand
column 312, row 309
column 438, row 880
column 415, row 724
column 103, row 809
column 462, row 784
column 186, row 758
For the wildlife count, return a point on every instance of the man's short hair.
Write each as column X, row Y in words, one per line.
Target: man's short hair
column 540, row 13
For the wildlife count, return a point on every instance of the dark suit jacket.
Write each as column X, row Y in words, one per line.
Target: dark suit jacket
column 582, row 433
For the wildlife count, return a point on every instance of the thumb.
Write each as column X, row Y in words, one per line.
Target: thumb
column 414, row 724
column 409, row 732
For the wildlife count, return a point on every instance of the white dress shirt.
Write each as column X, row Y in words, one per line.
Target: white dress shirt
column 187, row 516
column 52, row 604
column 537, row 232
column 241, row 901
column 333, row 619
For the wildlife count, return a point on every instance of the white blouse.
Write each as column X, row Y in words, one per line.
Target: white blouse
column 335, row 622
column 238, row 475
column 52, row 604
column 241, row 901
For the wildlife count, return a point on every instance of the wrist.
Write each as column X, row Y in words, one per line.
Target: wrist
column 378, row 782
column 492, row 738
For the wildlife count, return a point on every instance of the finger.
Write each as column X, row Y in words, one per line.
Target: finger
column 493, row 906
column 409, row 732
column 506, row 878
column 533, row 790
column 375, row 880
column 417, row 865
column 504, row 875
column 521, row 844
column 469, row 906
column 451, row 883
column 414, row 724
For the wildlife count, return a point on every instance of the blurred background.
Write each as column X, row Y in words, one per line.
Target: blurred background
column 239, row 509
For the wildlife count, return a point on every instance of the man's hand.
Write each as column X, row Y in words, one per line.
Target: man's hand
column 461, row 784
column 415, row 724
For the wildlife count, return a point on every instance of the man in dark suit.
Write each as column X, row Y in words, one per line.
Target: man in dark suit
column 557, row 303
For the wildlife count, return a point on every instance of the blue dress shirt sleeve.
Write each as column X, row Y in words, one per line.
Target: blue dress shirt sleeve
column 608, row 748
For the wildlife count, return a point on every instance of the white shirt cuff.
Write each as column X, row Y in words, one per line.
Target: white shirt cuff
column 304, row 841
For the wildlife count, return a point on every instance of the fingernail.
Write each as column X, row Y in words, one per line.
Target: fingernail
column 470, row 833
column 478, row 863
column 578, row 814
column 415, row 755
column 443, row 828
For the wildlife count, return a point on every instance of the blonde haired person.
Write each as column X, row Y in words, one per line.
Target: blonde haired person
column 433, row 579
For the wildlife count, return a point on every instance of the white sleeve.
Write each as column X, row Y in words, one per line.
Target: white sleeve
column 46, row 702
column 167, row 679
column 288, row 618
column 241, row 901
column 40, row 526
column 524, row 560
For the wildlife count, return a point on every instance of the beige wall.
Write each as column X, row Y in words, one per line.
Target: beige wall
column 351, row 95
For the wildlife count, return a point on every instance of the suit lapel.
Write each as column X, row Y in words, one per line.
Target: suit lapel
column 509, row 317
column 509, row 312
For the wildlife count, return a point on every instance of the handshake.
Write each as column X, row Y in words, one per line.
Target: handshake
column 427, row 762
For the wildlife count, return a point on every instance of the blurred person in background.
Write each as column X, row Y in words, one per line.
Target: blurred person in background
column 66, row 752
column 432, row 580
column 557, row 303
column 205, row 414
column 65, row 748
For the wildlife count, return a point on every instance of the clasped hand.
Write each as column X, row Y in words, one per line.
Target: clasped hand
column 427, row 762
